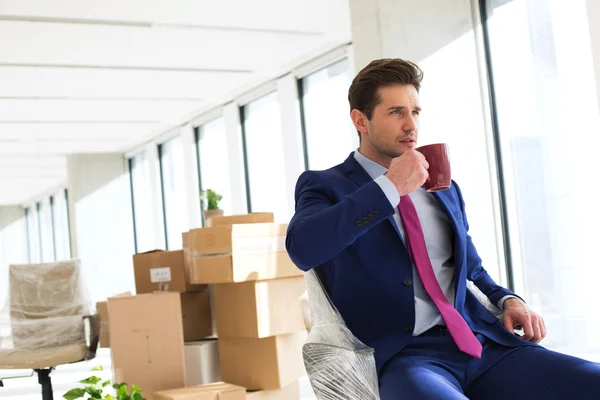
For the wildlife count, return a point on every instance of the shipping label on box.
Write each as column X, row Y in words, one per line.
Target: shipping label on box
column 162, row 271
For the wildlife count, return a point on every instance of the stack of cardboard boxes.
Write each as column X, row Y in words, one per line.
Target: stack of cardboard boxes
column 235, row 272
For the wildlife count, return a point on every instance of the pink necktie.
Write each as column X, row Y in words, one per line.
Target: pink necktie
column 457, row 326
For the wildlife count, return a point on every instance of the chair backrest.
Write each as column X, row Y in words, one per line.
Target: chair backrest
column 47, row 303
column 339, row 365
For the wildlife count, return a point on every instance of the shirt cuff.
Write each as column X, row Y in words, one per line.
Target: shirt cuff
column 502, row 300
column 389, row 190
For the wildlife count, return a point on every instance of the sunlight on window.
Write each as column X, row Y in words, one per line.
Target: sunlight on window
column 174, row 193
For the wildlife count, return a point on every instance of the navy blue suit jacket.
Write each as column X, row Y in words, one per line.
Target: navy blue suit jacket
column 344, row 227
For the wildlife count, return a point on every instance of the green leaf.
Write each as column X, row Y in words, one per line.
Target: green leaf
column 105, row 383
column 92, row 380
column 118, row 385
column 137, row 396
column 124, row 396
column 123, row 392
column 109, row 397
column 73, row 394
column 136, row 388
column 98, row 368
column 94, row 393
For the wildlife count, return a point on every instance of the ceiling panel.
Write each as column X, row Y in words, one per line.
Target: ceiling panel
column 279, row 15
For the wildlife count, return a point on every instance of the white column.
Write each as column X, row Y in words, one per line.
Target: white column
column 190, row 161
column 231, row 114
column 439, row 36
column 287, row 91
column 100, row 204
column 593, row 11
column 13, row 244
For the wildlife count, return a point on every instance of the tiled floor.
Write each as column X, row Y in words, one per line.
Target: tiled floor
column 66, row 377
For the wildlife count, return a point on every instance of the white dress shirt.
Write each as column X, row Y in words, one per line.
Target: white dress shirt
column 437, row 231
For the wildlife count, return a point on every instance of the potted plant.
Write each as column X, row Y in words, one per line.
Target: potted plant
column 94, row 389
column 209, row 202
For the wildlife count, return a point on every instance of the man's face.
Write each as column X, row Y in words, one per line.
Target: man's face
column 394, row 126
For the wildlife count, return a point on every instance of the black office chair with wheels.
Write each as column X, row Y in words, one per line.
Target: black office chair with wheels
column 46, row 320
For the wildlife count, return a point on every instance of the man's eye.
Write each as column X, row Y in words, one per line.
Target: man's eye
column 416, row 112
column 395, row 112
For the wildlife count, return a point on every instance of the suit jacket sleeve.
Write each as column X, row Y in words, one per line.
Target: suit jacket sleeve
column 475, row 270
column 323, row 227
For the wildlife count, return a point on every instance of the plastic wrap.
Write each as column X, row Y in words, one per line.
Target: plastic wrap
column 339, row 366
column 43, row 320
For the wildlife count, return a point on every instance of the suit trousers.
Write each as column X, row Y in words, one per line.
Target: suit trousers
column 431, row 367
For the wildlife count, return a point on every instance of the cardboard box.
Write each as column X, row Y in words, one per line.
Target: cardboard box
column 202, row 362
column 196, row 315
column 238, row 239
column 263, row 364
column 242, row 267
column 146, row 338
column 215, row 391
column 291, row 392
column 259, row 309
column 102, row 309
column 252, row 218
column 159, row 270
column 187, row 255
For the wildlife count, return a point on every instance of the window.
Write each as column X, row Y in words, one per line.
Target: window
column 46, row 230
column 173, row 191
column 33, row 234
column 548, row 123
column 329, row 135
column 213, row 165
column 60, row 213
column 263, row 155
column 141, row 196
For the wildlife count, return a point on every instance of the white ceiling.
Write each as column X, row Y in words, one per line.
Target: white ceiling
column 83, row 76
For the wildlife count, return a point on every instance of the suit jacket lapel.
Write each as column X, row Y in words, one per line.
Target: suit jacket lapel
column 358, row 175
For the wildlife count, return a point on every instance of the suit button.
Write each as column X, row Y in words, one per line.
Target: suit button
column 365, row 220
column 359, row 223
column 376, row 213
column 371, row 216
column 408, row 328
column 407, row 282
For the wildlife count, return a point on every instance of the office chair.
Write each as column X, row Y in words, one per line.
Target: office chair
column 46, row 321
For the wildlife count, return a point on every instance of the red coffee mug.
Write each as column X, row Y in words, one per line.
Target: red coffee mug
column 437, row 156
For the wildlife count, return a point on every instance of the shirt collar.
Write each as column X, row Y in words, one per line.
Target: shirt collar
column 371, row 167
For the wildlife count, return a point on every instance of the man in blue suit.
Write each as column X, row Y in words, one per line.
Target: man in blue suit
column 377, row 239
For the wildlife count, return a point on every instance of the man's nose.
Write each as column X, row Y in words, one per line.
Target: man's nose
column 410, row 124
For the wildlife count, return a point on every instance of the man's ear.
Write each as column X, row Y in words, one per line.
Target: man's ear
column 359, row 120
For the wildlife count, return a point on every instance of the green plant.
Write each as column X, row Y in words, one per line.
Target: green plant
column 94, row 389
column 212, row 197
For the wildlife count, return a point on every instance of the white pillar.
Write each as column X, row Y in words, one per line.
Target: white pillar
column 102, row 222
column 287, row 90
column 593, row 11
column 190, row 160
column 231, row 113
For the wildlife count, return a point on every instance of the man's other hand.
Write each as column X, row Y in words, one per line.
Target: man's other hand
column 516, row 313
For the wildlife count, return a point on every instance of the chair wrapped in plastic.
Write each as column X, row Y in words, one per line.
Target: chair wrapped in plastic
column 339, row 366
column 46, row 320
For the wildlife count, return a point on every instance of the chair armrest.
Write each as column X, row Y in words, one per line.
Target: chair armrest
column 92, row 323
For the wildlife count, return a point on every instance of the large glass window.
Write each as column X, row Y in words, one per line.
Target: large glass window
column 548, row 127
column 328, row 131
column 141, row 195
column 173, row 191
column 46, row 230
column 33, row 234
column 212, row 160
column 263, row 151
column 60, row 214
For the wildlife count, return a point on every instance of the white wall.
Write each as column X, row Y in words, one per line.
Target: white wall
column 13, row 243
column 593, row 11
column 101, row 222
column 440, row 37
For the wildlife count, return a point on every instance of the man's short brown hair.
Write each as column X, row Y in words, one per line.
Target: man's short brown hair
column 363, row 94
